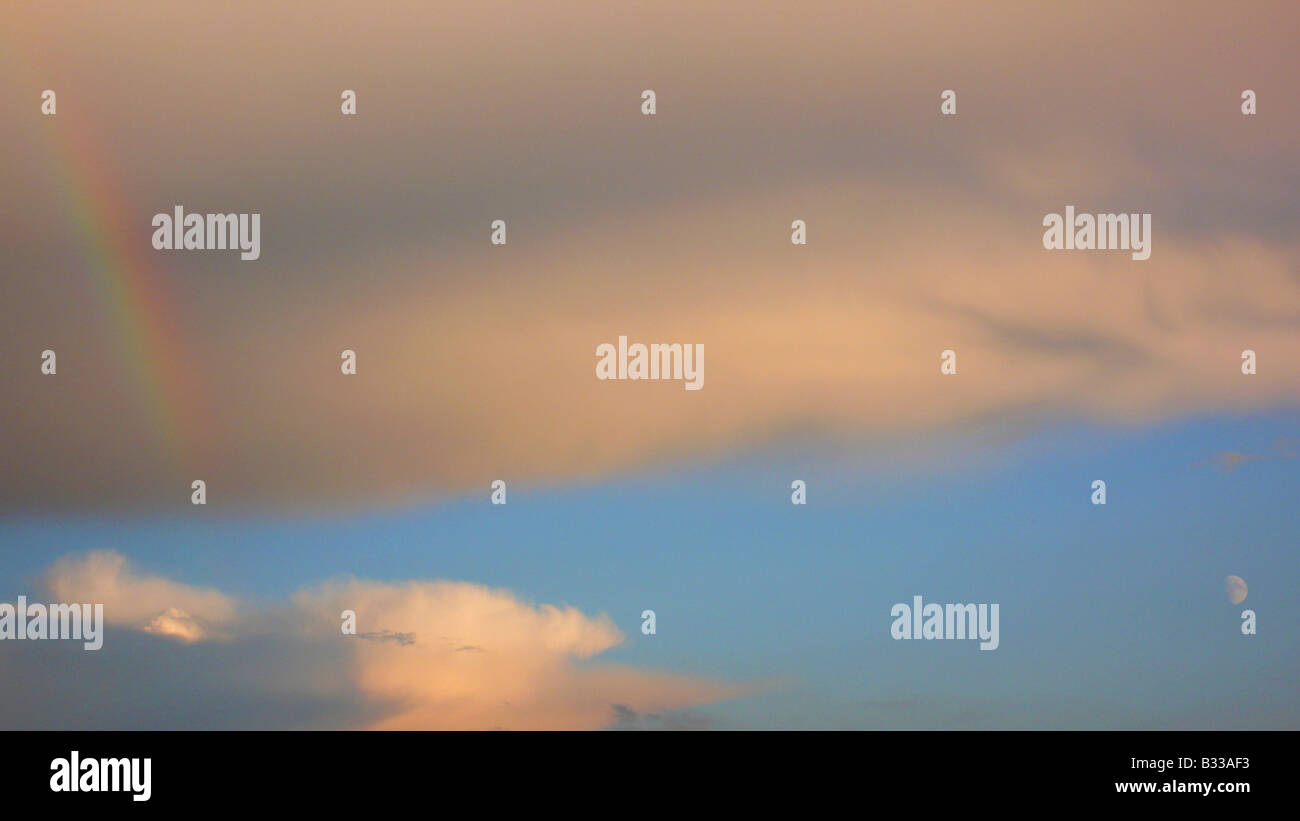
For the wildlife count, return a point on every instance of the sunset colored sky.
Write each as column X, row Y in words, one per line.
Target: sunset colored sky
column 476, row 362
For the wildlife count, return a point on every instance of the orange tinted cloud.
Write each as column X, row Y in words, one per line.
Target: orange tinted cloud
column 149, row 603
column 426, row 654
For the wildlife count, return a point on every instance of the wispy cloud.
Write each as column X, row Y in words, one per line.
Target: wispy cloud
column 404, row 639
column 1286, row 447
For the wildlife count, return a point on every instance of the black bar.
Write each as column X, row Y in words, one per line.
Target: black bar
column 543, row 771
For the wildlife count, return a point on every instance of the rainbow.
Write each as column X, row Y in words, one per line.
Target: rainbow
column 130, row 285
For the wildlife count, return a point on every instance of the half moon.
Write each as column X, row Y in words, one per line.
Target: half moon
column 1236, row 587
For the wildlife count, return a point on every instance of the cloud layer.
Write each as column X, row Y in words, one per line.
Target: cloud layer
column 427, row 655
column 477, row 362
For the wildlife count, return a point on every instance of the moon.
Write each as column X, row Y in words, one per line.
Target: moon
column 1236, row 587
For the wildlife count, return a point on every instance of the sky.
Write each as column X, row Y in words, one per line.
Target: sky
column 370, row 492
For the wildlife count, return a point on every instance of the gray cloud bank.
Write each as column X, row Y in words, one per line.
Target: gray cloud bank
column 476, row 362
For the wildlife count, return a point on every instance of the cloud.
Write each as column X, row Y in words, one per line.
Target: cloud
column 533, row 666
column 1229, row 460
column 177, row 624
column 477, row 362
column 533, row 669
column 149, row 603
column 628, row 719
column 388, row 635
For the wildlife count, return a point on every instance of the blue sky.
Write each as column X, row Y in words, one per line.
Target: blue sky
column 1111, row 616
